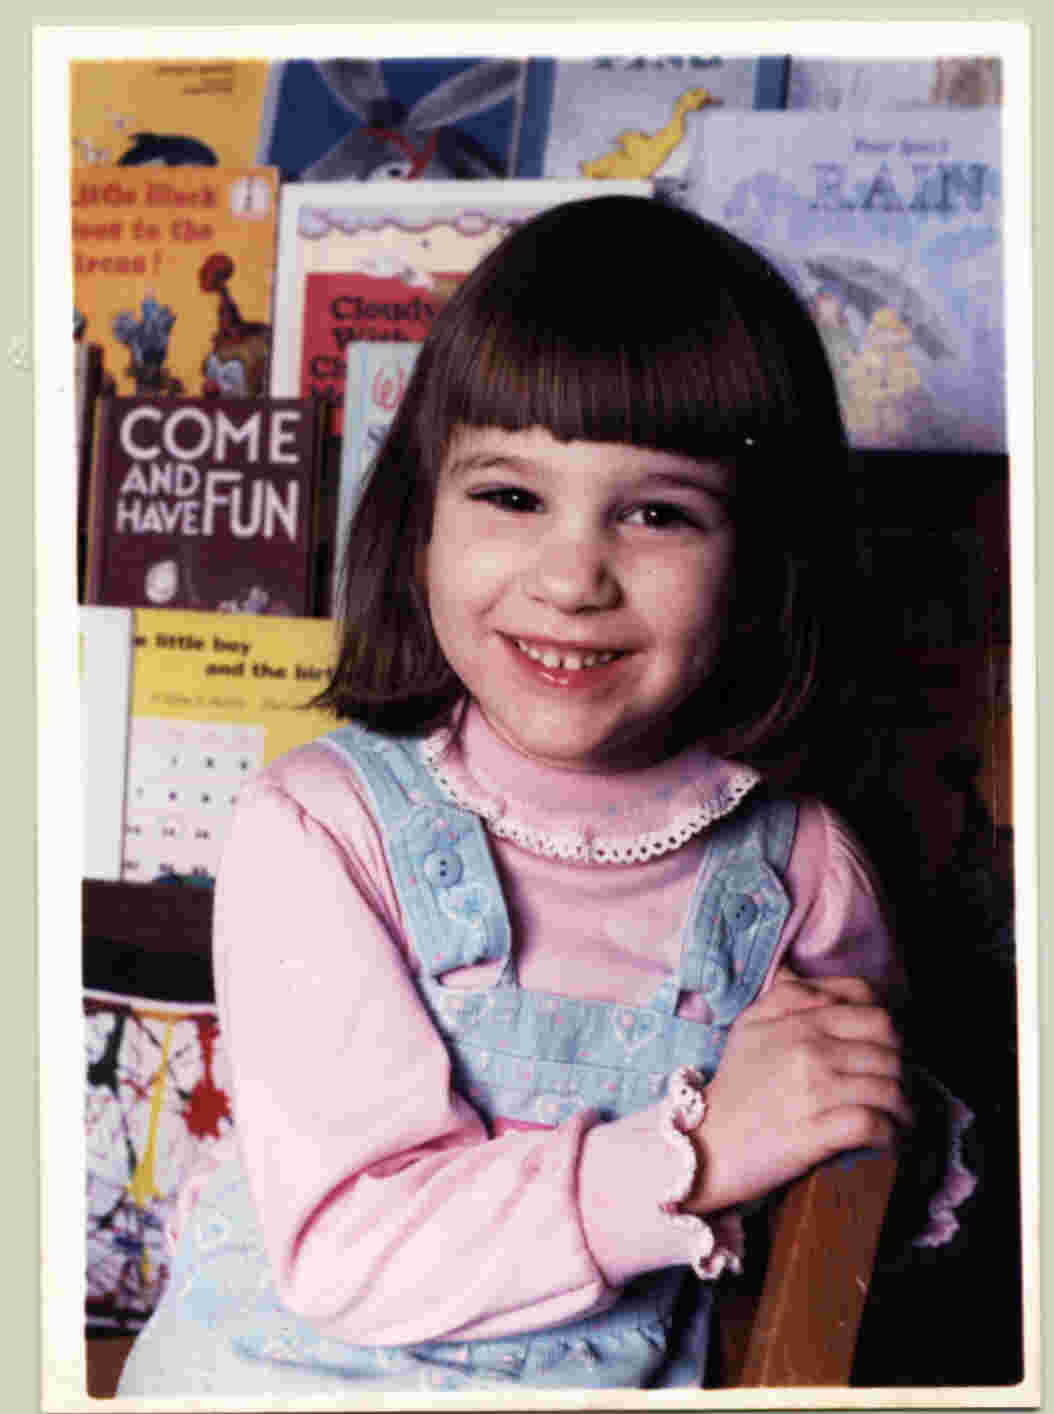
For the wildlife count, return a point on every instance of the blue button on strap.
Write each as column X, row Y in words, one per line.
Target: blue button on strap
column 442, row 867
column 740, row 910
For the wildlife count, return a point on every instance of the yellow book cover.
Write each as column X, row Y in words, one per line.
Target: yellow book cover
column 207, row 112
column 214, row 698
column 173, row 269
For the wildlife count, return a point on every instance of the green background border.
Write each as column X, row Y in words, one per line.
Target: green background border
column 19, row 1191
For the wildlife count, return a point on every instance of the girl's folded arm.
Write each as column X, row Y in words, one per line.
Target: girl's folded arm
column 838, row 924
column 388, row 1214
column 838, row 927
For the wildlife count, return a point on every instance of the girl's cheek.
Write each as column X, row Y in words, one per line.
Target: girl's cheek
column 693, row 590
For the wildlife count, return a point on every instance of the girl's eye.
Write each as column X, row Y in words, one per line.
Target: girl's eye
column 508, row 498
column 660, row 515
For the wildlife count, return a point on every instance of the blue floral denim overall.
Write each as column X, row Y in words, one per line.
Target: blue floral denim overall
column 518, row 1055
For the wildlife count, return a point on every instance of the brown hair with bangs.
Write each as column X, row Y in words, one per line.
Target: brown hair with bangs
column 629, row 320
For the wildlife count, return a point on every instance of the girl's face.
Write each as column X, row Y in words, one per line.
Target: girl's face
column 578, row 589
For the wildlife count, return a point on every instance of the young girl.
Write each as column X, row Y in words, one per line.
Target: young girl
column 529, row 976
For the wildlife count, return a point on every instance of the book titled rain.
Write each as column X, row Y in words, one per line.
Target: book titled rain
column 889, row 226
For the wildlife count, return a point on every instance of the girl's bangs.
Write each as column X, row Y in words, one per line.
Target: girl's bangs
column 686, row 396
column 700, row 349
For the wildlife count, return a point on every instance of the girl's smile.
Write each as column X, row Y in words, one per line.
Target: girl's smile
column 565, row 665
column 578, row 589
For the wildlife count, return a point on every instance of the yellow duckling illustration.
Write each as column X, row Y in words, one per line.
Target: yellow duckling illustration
column 637, row 154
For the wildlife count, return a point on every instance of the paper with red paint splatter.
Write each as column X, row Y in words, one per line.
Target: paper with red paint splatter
column 155, row 1101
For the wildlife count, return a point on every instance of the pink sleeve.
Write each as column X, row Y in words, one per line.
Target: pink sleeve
column 388, row 1214
column 837, row 925
column 634, row 1173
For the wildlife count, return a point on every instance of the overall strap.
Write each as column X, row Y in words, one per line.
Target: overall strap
column 451, row 898
column 739, row 905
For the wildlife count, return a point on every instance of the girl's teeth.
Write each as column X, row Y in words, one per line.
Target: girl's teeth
column 573, row 661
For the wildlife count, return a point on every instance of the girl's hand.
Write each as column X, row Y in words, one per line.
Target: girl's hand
column 811, row 1069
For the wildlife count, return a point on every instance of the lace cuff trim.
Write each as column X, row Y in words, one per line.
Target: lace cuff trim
column 719, row 1246
column 585, row 845
column 959, row 1183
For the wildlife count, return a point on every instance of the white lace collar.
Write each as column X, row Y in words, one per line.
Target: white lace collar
column 623, row 818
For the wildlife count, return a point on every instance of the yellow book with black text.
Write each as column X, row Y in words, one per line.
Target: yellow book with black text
column 173, row 271
column 215, row 697
column 135, row 112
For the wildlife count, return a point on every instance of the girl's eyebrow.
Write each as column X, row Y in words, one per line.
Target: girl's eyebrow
column 467, row 462
column 685, row 479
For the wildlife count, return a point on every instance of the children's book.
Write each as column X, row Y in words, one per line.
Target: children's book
column 214, row 698
column 87, row 385
column 205, row 503
column 374, row 262
column 173, row 271
column 376, row 381
column 87, row 382
column 889, row 84
column 327, row 541
column 638, row 117
column 167, row 112
column 889, row 225
column 345, row 119
column 105, row 670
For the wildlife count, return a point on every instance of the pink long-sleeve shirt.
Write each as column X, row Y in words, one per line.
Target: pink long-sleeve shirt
column 389, row 1212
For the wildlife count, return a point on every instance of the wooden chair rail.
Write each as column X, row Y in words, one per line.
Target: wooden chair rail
column 825, row 1235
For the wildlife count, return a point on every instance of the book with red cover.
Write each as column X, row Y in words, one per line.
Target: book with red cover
column 374, row 262
column 205, row 503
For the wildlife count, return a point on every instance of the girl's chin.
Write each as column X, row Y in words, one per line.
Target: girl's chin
column 554, row 746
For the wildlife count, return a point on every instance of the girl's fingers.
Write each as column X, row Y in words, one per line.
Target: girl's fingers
column 859, row 1023
column 788, row 994
column 845, row 989
column 864, row 1058
column 870, row 1092
column 851, row 1127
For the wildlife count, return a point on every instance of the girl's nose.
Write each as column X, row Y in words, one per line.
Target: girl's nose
column 573, row 574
